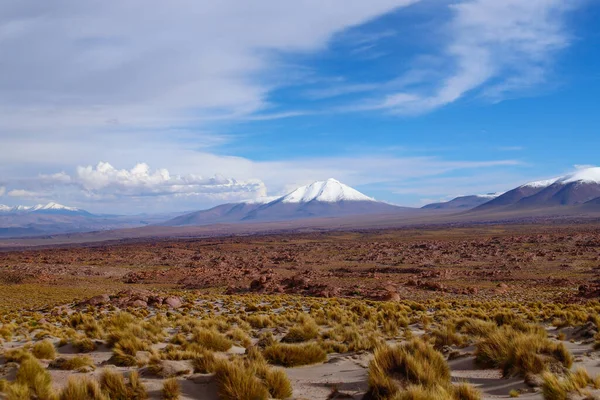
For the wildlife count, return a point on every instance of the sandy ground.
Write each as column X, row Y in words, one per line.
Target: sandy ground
column 348, row 373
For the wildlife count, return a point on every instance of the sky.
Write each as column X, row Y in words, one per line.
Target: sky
column 151, row 106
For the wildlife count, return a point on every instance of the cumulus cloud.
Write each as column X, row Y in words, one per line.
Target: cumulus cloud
column 104, row 180
column 496, row 48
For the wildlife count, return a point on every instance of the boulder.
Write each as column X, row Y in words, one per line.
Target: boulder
column 173, row 302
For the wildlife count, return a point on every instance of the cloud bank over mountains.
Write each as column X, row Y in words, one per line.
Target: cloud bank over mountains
column 107, row 89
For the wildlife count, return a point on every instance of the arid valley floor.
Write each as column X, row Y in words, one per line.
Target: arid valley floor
column 479, row 312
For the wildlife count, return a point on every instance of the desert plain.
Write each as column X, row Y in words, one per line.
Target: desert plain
column 440, row 312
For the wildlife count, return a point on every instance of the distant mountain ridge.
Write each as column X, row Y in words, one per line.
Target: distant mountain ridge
column 462, row 202
column 322, row 199
column 576, row 189
column 49, row 208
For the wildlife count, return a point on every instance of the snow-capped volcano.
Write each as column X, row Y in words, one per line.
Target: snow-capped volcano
column 329, row 198
column 579, row 187
column 329, row 191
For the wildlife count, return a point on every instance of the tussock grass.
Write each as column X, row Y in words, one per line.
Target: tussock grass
column 82, row 388
column 204, row 362
column 113, row 385
column 554, row 388
column 137, row 391
column 212, row 340
column 32, row 375
column 276, row 381
column 84, row 345
column 292, row 355
column 519, row 353
column 236, row 382
column 171, row 389
column 18, row 391
column 303, row 332
column 74, row 363
column 44, row 350
column 413, row 370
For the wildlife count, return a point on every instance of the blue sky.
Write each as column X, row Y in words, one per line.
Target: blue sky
column 198, row 103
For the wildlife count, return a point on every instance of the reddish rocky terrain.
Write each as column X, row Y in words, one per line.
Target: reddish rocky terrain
column 508, row 262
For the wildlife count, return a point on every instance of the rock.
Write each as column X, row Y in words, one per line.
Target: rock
column 137, row 303
column 99, row 300
column 143, row 357
column 170, row 368
column 201, row 378
column 173, row 302
column 391, row 296
column 501, row 288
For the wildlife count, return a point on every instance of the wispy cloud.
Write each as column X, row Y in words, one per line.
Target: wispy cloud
column 510, row 148
column 340, row 90
column 496, row 48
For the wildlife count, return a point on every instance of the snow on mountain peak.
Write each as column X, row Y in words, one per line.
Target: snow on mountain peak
column 540, row 184
column 587, row 175
column 584, row 175
column 53, row 206
column 329, row 191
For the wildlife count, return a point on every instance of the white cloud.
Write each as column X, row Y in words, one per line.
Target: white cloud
column 105, row 180
column 24, row 193
column 496, row 47
column 2, row 190
column 151, row 64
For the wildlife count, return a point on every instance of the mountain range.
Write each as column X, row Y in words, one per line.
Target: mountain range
column 576, row 193
column 323, row 199
column 50, row 208
column 577, row 189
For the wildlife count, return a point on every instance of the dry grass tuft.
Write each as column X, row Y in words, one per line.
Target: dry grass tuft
column 413, row 370
column 84, row 345
column 212, row 340
column 519, row 353
column 171, row 389
column 237, row 382
column 74, row 363
column 82, row 388
column 44, row 350
column 292, row 355
column 32, row 375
